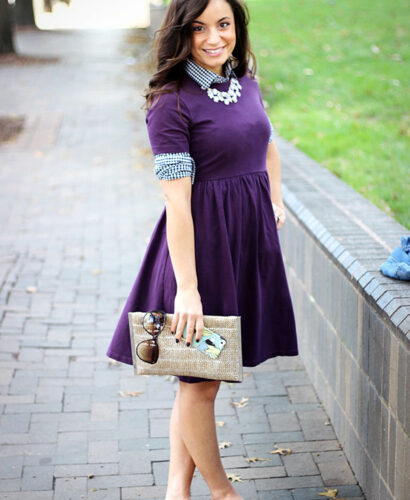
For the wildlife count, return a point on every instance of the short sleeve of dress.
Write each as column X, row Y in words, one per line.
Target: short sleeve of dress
column 169, row 134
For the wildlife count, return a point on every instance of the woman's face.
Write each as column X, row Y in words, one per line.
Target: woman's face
column 213, row 36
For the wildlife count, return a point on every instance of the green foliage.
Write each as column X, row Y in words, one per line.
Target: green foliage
column 335, row 77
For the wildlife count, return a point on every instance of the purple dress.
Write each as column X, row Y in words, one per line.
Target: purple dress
column 239, row 263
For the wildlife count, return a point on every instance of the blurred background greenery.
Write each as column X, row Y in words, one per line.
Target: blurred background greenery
column 335, row 77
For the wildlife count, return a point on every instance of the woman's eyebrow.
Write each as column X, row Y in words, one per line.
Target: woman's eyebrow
column 222, row 18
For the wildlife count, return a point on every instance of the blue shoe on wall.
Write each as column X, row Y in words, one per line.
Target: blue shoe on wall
column 398, row 264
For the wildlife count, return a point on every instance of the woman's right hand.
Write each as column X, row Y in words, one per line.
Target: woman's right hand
column 187, row 310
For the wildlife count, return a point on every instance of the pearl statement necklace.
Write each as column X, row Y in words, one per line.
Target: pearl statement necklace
column 232, row 95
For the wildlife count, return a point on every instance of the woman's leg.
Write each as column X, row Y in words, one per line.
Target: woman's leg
column 198, row 431
column 181, row 465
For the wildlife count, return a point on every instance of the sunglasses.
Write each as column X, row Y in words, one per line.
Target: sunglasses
column 153, row 323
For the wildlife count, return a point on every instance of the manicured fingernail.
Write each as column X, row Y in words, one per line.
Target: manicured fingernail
column 188, row 344
column 177, row 340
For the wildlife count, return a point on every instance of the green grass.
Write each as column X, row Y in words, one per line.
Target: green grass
column 336, row 77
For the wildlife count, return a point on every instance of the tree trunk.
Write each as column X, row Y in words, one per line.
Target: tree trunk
column 24, row 13
column 6, row 28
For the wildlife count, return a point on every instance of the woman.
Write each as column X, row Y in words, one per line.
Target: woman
column 215, row 248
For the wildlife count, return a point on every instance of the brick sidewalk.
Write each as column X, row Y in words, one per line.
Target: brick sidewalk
column 79, row 200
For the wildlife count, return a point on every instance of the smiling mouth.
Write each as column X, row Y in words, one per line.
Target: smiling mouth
column 214, row 51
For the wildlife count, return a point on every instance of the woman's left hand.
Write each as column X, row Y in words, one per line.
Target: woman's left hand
column 280, row 214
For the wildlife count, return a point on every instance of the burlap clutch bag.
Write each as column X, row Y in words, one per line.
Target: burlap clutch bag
column 177, row 359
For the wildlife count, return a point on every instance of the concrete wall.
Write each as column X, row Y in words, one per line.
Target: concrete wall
column 353, row 322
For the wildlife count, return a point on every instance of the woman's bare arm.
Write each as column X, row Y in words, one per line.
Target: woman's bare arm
column 181, row 245
column 275, row 180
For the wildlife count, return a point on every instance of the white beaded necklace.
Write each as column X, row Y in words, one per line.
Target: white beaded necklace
column 228, row 97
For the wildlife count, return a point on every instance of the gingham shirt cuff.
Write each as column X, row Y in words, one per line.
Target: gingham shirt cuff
column 271, row 132
column 169, row 166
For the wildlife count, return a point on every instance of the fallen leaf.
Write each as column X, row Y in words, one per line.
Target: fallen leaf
column 327, row 423
column 257, row 459
column 96, row 271
column 234, row 477
column 224, row 444
column 281, row 451
column 129, row 394
column 220, row 423
column 329, row 493
column 93, row 489
column 31, row 289
column 90, row 476
column 243, row 402
column 145, row 152
column 134, row 394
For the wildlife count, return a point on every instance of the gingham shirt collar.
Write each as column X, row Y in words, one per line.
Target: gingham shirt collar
column 205, row 77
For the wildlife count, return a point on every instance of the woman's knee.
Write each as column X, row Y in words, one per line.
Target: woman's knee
column 205, row 391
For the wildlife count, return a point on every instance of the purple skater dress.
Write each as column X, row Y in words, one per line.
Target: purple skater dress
column 239, row 263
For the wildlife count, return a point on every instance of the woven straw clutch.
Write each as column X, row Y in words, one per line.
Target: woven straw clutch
column 177, row 359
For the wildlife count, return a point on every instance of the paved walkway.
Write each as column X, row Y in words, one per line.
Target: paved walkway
column 78, row 201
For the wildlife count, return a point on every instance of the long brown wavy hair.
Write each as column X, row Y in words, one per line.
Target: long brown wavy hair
column 173, row 44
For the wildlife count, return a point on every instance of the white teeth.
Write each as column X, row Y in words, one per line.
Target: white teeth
column 213, row 51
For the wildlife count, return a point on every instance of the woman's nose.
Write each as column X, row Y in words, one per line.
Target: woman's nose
column 213, row 37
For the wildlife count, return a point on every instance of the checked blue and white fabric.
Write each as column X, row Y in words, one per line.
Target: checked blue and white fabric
column 170, row 166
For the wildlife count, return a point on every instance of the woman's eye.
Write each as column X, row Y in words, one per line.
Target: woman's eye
column 222, row 25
